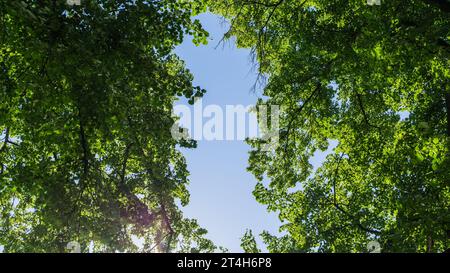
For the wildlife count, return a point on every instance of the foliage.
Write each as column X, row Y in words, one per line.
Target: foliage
column 374, row 80
column 85, row 116
column 249, row 243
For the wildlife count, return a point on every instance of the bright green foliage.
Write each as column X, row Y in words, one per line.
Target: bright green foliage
column 343, row 72
column 86, row 152
column 249, row 243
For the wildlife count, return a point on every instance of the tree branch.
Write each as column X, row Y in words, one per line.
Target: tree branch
column 3, row 148
column 124, row 164
column 352, row 218
column 84, row 146
column 267, row 5
column 360, row 103
column 447, row 104
column 356, row 221
column 5, row 141
column 166, row 219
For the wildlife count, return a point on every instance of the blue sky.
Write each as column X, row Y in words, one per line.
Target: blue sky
column 221, row 188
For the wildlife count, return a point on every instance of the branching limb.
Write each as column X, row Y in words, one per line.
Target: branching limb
column 351, row 217
column 361, row 106
column 5, row 141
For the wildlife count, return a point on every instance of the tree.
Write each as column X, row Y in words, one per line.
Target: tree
column 372, row 79
column 85, row 117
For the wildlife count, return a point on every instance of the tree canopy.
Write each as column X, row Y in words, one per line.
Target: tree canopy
column 86, row 98
column 85, row 117
column 373, row 81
